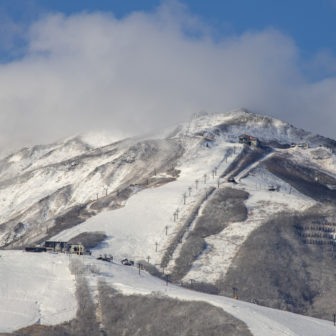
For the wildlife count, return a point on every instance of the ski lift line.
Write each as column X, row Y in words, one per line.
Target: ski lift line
column 214, row 172
column 254, row 165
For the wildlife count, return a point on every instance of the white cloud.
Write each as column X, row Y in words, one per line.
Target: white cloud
column 91, row 71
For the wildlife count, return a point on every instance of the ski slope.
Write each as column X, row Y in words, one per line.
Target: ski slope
column 35, row 288
column 134, row 229
column 261, row 321
column 38, row 288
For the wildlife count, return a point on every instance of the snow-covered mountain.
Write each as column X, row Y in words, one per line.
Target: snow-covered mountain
column 193, row 203
column 42, row 185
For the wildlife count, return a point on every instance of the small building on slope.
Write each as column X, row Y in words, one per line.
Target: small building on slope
column 248, row 140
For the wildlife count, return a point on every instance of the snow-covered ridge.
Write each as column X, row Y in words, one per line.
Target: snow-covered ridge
column 234, row 123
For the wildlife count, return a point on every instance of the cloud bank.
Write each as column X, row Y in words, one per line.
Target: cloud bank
column 147, row 70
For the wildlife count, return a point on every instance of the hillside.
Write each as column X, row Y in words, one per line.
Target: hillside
column 112, row 297
column 192, row 203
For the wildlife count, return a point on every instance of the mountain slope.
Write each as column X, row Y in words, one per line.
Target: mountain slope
column 261, row 321
column 168, row 202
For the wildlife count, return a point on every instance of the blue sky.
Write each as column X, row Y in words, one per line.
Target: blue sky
column 311, row 23
column 131, row 66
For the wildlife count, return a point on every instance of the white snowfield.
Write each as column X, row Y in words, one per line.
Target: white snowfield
column 35, row 288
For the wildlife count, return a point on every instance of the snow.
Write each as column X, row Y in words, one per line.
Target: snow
column 134, row 229
column 38, row 288
column 240, row 121
column 43, row 182
column 261, row 321
column 326, row 163
column 221, row 249
column 35, row 288
column 41, row 171
column 245, row 172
